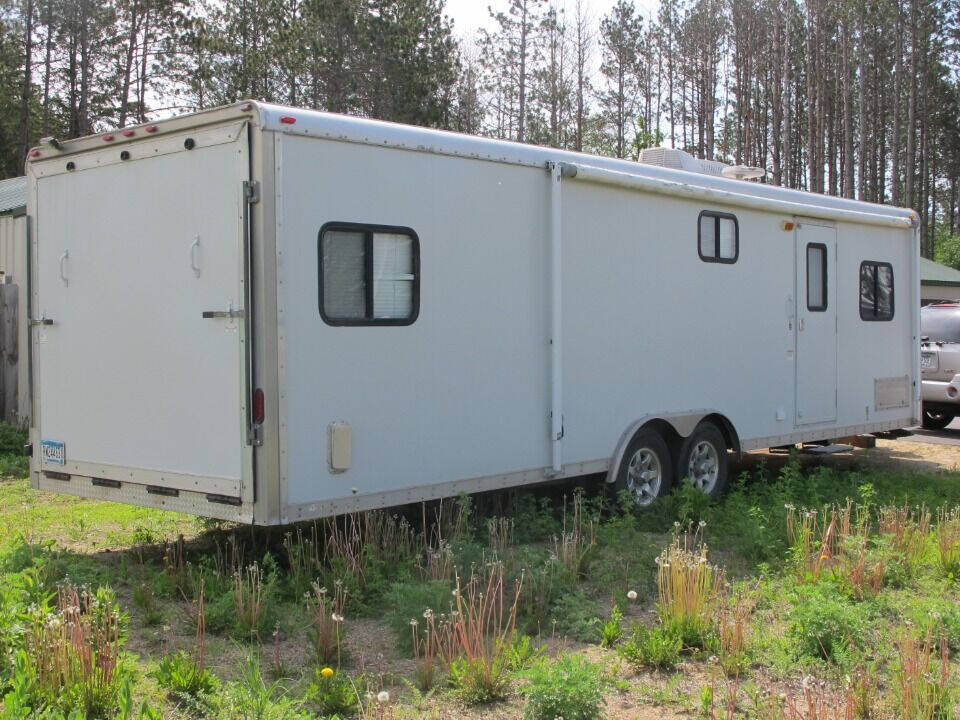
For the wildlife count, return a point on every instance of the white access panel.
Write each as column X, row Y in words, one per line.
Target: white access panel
column 131, row 375
column 816, row 323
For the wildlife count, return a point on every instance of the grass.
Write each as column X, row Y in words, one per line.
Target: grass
column 805, row 591
column 84, row 525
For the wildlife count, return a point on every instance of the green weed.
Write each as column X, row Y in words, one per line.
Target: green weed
column 576, row 616
column 333, row 693
column 823, row 623
column 253, row 699
column 611, row 632
column 181, row 675
column 658, row 647
column 570, row 687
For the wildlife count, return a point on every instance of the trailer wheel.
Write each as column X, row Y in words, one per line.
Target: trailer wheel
column 646, row 471
column 936, row 419
column 703, row 460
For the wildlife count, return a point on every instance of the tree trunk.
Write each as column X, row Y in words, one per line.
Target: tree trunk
column 27, row 86
column 128, row 61
column 48, row 51
column 847, row 117
column 897, row 95
column 911, row 158
column 787, row 104
column 524, row 34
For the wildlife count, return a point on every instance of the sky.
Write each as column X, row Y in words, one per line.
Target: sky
column 470, row 15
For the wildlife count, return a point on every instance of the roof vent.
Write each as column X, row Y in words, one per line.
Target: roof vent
column 743, row 172
column 682, row 160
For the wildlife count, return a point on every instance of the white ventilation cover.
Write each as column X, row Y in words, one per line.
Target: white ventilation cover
column 743, row 172
column 682, row 160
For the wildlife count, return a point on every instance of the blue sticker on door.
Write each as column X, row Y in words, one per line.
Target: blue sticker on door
column 53, row 452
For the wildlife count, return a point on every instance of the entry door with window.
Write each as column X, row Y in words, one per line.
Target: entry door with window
column 816, row 323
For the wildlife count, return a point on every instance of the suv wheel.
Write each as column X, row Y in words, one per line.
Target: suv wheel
column 936, row 419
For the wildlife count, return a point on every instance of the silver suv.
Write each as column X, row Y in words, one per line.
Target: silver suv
column 940, row 363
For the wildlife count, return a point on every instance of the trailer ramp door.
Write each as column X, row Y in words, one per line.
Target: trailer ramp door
column 140, row 367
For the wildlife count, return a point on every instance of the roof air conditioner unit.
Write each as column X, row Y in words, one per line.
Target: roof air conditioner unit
column 682, row 160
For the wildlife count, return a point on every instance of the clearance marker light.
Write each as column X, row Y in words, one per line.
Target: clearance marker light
column 258, row 406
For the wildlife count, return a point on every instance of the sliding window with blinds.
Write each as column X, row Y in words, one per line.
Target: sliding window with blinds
column 369, row 274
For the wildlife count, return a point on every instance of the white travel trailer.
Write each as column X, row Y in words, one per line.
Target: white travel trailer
column 267, row 315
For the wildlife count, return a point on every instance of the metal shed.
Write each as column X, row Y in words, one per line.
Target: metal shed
column 13, row 270
column 938, row 282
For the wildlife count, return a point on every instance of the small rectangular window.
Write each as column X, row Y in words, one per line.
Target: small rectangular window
column 876, row 290
column 369, row 274
column 816, row 277
column 718, row 237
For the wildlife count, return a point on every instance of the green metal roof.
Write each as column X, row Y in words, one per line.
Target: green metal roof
column 13, row 194
column 933, row 273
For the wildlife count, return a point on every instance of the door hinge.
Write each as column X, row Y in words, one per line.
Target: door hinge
column 255, row 435
column 251, row 189
column 563, row 430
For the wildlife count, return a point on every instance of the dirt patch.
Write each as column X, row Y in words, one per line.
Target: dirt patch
column 894, row 455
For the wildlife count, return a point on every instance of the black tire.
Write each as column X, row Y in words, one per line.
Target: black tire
column 703, row 460
column 936, row 419
column 646, row 453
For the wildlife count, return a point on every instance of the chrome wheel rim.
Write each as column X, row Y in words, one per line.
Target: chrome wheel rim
column 644, row 476
column 703, row 468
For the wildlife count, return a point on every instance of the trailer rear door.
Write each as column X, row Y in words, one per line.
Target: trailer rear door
column 139, row 358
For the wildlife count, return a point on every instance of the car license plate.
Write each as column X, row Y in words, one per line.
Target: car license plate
column 928, row 361
column 53, row 452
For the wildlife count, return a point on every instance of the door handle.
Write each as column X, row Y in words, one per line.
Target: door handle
column 801, row 325
column 228, row 313
column 42, row 320
column 63, row 267
column 194, row 259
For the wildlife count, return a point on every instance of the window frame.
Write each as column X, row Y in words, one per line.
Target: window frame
column 368, row 230
column 826, row 270
column 717, row 216
column 877, row 264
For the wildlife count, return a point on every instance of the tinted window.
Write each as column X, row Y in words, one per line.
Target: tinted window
column 876, row 290
column 369, row 275
column 718, row 237
column 816, row 277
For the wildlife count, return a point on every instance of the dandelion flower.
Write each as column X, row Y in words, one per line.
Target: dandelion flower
column 632, row 595
column 383, row 696
column 327, row 672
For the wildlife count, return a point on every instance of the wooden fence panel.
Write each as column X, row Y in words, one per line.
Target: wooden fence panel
column 9, row 335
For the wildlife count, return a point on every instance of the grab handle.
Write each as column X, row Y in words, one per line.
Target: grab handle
column 63, row 266
column 194, row 259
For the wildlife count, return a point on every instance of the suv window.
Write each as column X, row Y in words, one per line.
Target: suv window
column 940, row 323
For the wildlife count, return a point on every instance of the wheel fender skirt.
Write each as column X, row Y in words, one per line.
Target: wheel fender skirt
column 682, row 422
